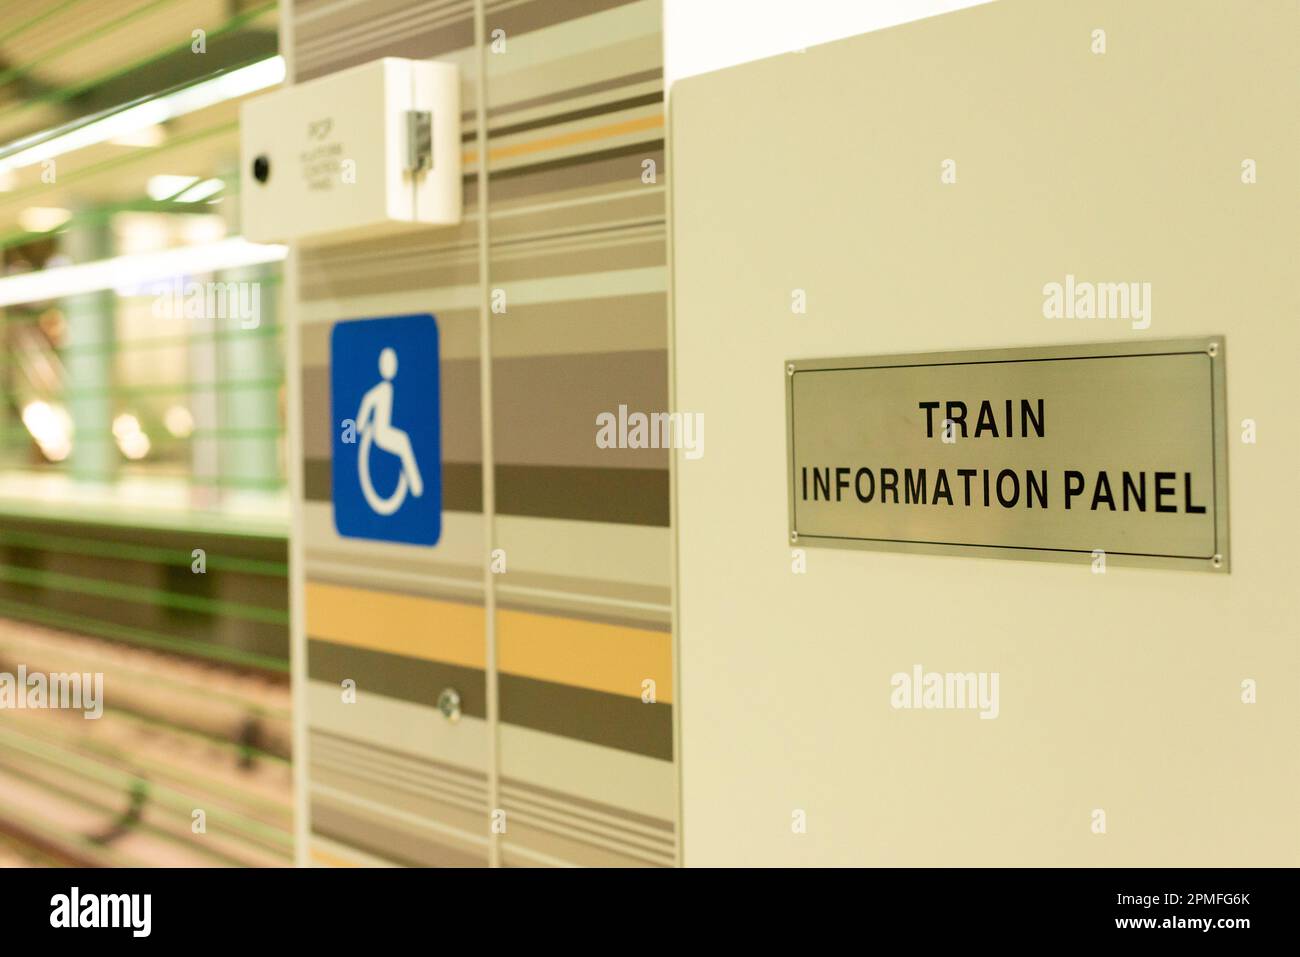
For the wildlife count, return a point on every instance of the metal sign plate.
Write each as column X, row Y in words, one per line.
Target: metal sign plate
column 1054, row 453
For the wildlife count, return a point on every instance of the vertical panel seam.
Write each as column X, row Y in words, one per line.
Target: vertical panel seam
column 485, row 413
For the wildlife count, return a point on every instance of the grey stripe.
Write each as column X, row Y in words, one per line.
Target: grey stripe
column 387, row 841
column 524, row 790
column 600, row 109
column 632, row 151
column 546, row 406
column 621, row 165
column 605, row 251
column 633, row 323
column 457, row 328
column 575, row 92
column 526, row 17
column 329, row 43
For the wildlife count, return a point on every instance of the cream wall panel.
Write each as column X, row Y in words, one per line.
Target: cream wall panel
column 1118, row 691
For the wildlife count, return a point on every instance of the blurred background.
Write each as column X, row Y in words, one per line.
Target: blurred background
column 143, row 510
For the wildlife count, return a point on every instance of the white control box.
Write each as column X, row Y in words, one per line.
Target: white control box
column 366, row 151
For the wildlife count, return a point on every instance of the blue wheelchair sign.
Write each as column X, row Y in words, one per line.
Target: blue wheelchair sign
column 384, row 405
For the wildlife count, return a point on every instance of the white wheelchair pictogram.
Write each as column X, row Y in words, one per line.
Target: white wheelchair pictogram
column 374, row 422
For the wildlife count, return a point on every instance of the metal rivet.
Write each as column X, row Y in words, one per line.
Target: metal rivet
column 1213, row 349
column 449, row 704
column 789, row 369
column 1217, row 561
column 794, row 536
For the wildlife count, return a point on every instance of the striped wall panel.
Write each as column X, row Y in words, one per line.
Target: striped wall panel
column 577, row 246
column 391, row 781
column 585, row 764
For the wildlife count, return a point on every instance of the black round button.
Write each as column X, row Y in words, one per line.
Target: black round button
column 262, row 168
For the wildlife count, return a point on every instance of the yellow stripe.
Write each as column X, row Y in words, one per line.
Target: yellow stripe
column 330, row 860
column 398, row 624
column 584, row 654
column 568, row 139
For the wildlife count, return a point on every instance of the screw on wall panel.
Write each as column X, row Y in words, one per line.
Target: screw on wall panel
column 449, row 704
column 789, row 369
column 794, row 536
column 1217, row 561
column 1213, row 349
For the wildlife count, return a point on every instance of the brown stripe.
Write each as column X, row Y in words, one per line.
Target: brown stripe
column 614, row 721
column 417, row 680
column 626, row 496
column 610, row 720
column 318, row 480
column 462, row 484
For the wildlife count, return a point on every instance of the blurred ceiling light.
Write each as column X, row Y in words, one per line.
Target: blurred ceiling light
column 135, row 446
column 51, row 427
column 134, row 270
column 131, row 439
column 149, row 136
column 134, row 119
column 205, row 189
column 167, row 185
column 41, row 219
column 179, row 421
